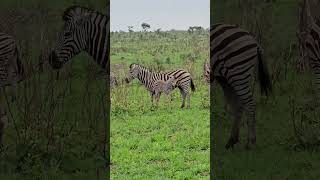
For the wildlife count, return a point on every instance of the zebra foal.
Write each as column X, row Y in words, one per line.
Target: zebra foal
column 161, row 86
column 11, row 72
column 235, row 56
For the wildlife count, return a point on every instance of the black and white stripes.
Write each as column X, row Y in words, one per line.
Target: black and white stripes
column 11, row 69
column 84, row 30
column 11, row 72
column 235, row 56
column 312, row 46
column 183, row 80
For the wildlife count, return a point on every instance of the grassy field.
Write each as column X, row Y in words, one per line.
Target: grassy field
column 56, row 128
column 165, row 142
column 288, row 121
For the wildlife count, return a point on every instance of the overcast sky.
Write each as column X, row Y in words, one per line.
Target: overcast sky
column 164, row 14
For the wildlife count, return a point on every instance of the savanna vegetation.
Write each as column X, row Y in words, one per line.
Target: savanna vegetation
column 288, row 121
column 163, row 142
column 56, row 127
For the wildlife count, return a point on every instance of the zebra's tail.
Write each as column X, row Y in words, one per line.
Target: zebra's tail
column 263, row 75
column 193, row 88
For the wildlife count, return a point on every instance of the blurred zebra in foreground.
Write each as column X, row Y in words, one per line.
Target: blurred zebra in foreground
column 11, row 72
column 84, row 30
column 311, row 41
column 235, row 56
column 183, row 80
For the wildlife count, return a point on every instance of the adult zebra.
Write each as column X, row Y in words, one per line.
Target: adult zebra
column 11, row 72
column 84, row 30
column 183, row 80
column 234, row 56
column 311, row 41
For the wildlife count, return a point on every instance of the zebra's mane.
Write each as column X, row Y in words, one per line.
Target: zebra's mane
column 73, row 11
column 145, row 68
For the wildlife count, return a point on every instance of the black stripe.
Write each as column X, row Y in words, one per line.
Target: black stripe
column 229, row 40
column 221, row 31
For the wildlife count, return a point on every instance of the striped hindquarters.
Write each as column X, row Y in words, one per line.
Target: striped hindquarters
column 183, row 79
column 10, row 64
column 235, row 54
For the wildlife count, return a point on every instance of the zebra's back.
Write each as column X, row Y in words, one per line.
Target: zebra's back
column 232, row 50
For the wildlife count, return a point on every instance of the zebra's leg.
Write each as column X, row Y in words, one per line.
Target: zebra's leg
column 12, row 78
column 188, row 97
column 152, row 96
column 233, row 100
column 3, row 115
column 316, row 79
column 183, row 97
column 157, row 98
column 249, row 107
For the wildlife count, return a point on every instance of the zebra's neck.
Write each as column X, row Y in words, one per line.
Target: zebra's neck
column 146, row 76
column 98, row 44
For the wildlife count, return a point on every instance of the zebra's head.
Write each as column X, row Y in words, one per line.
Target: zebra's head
column 133, row 72
column 73, row 37
column 171, row 83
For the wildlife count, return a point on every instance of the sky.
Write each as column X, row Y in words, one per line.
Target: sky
column 164, row 14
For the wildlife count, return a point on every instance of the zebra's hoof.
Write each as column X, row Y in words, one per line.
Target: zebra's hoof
column 251, row 144
column 231, row 143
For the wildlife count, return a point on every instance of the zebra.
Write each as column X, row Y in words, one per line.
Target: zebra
column 235, row 55
column 147, row 77
column 206, row 71
column 84, row 30
column 161, row 86
column 311, row 40
column 11, row 72
column 113, row 80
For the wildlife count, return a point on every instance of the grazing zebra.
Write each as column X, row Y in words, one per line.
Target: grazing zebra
column 235, row 56
column 84, row 30
column 161, row 86
column 11, row 72
column 311, row 41
column 147, row 77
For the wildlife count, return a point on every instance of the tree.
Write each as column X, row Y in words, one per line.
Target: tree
column 145, row 26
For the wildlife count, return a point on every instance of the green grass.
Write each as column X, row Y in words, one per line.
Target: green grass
column 278, row 154
column 165, row 142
